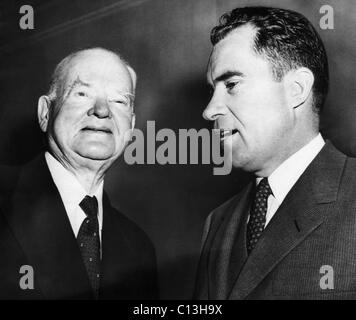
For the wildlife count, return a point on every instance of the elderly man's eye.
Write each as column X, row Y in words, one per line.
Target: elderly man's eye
column 120, row 101
column 81, row 94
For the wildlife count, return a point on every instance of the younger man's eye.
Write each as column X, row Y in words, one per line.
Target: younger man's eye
column 231, row 85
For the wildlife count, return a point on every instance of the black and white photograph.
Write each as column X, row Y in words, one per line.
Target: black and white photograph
column 197, row 151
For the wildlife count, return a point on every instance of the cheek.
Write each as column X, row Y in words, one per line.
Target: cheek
column 122, row 125
column 66, row 121
column 74, row 113
column 263, row 113
column 268, row 101
column 260, row 94
column 249, row 104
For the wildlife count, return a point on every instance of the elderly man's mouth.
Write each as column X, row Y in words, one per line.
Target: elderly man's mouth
column 97, row 130
column 224, row 133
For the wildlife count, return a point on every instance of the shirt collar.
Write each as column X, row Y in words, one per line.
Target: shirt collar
column 71, row 191
column 286, row 175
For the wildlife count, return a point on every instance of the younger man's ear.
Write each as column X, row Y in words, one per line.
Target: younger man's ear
column 43, row 110
column 300, row 84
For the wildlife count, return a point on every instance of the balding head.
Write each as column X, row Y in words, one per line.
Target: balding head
column 59, row 76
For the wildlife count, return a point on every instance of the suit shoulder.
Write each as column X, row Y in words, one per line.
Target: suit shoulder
column 349, row 173
column 351, row 162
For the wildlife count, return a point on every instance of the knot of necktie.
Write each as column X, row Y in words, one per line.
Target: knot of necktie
column 263, row 189
column 90, row 206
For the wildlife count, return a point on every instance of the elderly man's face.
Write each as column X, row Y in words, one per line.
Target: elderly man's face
column 247, row 102
column 96, row 109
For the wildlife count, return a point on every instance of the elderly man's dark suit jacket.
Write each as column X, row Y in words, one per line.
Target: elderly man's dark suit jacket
column 35, row 231
column 315, row 226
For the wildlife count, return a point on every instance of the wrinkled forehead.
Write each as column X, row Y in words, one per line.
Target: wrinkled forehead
column 99, row 68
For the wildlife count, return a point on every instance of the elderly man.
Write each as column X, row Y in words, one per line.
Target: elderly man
column 59, row 225
column 290, row 234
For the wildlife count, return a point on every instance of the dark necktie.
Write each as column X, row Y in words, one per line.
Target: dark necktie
column 89, row 242
column 258, row 212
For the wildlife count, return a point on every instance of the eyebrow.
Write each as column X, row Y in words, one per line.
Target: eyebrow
column 129, row 94
column 226, row 75
column 76, row 82
column 79, row 82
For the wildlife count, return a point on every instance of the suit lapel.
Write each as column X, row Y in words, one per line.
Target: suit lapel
column 223, row 249
column 118, row 257
column 302, row 211
column 111, row 255
column 38, row 219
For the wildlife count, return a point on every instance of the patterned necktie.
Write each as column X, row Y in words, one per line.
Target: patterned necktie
column 89, row 242
column 258, row 212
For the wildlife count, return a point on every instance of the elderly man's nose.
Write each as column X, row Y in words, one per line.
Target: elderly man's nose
column 214, row 109
column 101, row 109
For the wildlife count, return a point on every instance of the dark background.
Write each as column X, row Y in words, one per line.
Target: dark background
column 167, row 43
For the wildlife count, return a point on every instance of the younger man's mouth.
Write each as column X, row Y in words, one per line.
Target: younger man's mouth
column 226, row 133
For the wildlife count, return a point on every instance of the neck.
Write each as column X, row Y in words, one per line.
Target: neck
column 90, row 173
column 298, row 143
column 90, row 180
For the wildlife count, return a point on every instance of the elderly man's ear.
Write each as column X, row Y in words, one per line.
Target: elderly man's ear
column 133, row 78
column 43, row 109
column 133, row 121
column 134, row 82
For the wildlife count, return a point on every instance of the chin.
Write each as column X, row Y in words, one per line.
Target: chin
column 240, row 161
column 96, row 152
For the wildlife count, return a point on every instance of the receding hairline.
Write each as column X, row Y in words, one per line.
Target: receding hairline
column 249, row 30
column 248, row 27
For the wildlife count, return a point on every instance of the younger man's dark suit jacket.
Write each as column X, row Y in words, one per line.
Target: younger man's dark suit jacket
column 307, row 251
column 35, row 231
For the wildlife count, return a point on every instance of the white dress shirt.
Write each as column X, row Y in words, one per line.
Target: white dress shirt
column 286, row 175
column 72, row 193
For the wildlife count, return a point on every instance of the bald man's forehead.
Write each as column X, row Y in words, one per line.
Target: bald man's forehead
column 102, row 67
column 103, row 59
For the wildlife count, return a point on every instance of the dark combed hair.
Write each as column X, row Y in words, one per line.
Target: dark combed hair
column 286, row 39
